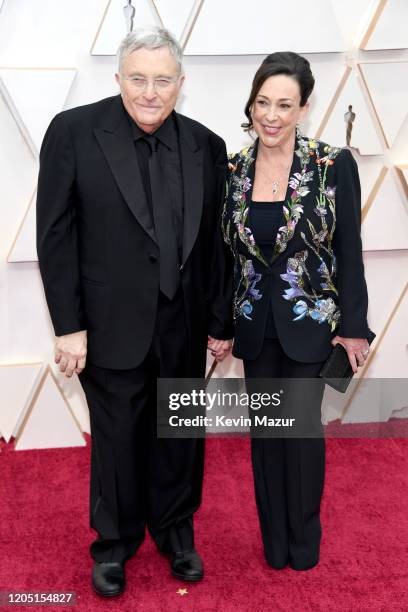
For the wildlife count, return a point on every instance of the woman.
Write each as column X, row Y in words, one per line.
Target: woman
column 292, row 221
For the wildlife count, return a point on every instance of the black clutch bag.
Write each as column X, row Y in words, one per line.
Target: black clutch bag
column 337, row 371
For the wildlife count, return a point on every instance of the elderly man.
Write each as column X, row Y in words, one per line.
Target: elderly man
column 129, row 245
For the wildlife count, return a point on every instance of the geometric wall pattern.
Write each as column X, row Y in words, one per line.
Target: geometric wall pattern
column 48, row 91
column 17, row 383
column 386, row 223
column 113, row 25
column 265, row 35
column 34, row 96
column 222, row 42
column 371, row 400
column 35, row 412
column 402, row 171
column 391, row 267
column 389, row 99
column 390, row 26
column 354, row 18
column 392, row 341
column 368, row 401
column 200, row 25
column 49, row 421
column 364, row 135
column 181, row 21
column 23, row 247
column 371, row 170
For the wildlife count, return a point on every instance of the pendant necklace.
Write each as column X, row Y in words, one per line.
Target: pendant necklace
column 274, row 183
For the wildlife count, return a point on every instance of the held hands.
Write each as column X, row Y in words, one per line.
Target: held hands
column 220, row 349
column 357, row 350
column 70, row 352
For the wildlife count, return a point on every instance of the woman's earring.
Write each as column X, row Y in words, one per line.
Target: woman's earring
column 298, row 132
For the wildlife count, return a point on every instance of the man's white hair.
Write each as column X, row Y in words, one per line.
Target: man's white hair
column 150, row 38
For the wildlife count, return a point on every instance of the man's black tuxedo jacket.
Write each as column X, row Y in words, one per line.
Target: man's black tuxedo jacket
column 98, row 255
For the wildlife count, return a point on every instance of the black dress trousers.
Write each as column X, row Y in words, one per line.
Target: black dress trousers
column 136, row 478
column 289, row 472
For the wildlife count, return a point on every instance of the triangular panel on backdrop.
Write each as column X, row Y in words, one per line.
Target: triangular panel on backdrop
column 328, row 71
column 402, row 172
column 389, row 27
column 353, row 17
column 370, row 169
column 373, row 193
column 48, row 90
column 385, row 372
column 354, row 127
column 24, row 245
column 386, row 83
column 385, row 226
column 391, row 356
column 178, row 20
column 391, row 268
column 18, row 176
column 50, row 422
column 113, row 25
column 257, row 31
column 17, row 383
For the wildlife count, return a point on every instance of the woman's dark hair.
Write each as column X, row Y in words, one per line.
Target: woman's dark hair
column 283, row 62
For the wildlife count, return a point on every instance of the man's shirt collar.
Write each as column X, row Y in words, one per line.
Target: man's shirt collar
column 166, row 133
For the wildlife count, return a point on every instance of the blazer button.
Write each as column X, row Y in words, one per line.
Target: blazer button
column 181, row 267
column 152, row 257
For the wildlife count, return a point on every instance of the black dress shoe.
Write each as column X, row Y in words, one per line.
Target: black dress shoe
column 304, row 567
column 187, row 565
column 108, row 578
column 277, row 566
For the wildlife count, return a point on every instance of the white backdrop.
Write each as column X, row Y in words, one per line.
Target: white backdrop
column 56, row 55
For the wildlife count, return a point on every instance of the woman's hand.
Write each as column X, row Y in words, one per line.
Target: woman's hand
column 357, row 350
column 220, row 349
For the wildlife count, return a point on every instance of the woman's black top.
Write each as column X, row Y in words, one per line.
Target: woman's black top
column 264, row 220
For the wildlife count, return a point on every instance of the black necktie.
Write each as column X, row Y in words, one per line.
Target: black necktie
column 164, row 225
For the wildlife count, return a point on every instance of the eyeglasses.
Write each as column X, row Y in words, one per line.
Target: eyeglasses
column 141, row 84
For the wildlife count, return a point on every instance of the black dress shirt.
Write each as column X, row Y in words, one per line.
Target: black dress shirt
column 169, row 158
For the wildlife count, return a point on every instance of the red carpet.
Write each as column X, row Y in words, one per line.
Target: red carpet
column 44, row 535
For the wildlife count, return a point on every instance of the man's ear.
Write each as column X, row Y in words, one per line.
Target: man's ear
column 117, row 77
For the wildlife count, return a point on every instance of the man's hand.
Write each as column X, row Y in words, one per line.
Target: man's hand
column 70, row 352
column 220, row 349
column 357, row 350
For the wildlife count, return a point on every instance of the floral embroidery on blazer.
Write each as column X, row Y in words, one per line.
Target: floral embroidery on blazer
column 310, row 185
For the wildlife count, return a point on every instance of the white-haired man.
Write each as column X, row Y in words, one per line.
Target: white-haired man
column 129, row 245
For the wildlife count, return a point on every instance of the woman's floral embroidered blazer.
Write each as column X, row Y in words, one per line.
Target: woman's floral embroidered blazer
column 315, row 279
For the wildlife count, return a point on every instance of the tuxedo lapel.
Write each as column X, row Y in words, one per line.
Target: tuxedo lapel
column 192, row 170
column 118, row 147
